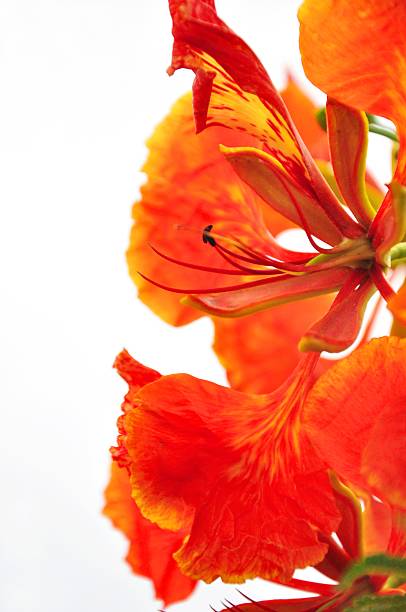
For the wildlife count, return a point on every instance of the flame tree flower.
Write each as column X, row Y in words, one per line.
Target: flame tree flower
column 243, row 480
column 232, row 90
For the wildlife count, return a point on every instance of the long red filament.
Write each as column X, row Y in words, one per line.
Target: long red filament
column 303, row 219
column 186, row 264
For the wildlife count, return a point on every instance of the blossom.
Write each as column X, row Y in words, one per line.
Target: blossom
column 238, row 484
column 233, row 471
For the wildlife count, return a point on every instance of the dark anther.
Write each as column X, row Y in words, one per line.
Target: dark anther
column 207, row 239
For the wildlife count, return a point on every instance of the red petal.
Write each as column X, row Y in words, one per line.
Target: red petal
column 232, row 89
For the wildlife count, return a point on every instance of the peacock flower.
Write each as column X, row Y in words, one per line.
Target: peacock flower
column 352, row 245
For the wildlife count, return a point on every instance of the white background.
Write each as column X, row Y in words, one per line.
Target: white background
column 82, row 85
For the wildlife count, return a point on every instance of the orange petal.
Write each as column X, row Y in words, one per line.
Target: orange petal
column 353, row 408
column 233, row 469
column 348, row 138
column 189, row 184
column 232, row 89
column 150, row 548
column 303, row 112
column 260, row 351
column 355, row 52
column 397, row 305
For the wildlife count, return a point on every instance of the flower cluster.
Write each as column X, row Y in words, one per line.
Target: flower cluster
column 301, row 461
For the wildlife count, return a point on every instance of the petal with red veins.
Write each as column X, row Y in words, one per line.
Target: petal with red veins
column 272, row 182
column 191, row 185
column 232, row 89
column 303, row 112
column 150, row 548
column 355, row 405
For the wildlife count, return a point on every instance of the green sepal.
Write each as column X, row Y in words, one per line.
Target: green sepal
column 378, row 603
column 381, row 565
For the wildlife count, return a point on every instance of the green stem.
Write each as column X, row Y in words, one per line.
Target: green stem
column 383, row 131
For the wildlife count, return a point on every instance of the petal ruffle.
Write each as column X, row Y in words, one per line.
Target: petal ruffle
column 235, row 471
column 191, row 185
column 150, row 548
column 260, row 351
column 353, row 407
column 356, row 53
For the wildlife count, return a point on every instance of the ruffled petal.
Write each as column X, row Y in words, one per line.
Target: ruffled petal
column 232, row 89
column 260, row 351
column 190, row 185
column 150, row 548
column 356, row 53
column 235, row 471
column 353, row 407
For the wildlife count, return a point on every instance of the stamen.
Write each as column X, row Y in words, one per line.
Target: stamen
column 207, row 239
column 381, row 283
column 186, row 264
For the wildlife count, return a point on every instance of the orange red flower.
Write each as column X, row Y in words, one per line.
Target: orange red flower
column 232, row 92
column 255, row 480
